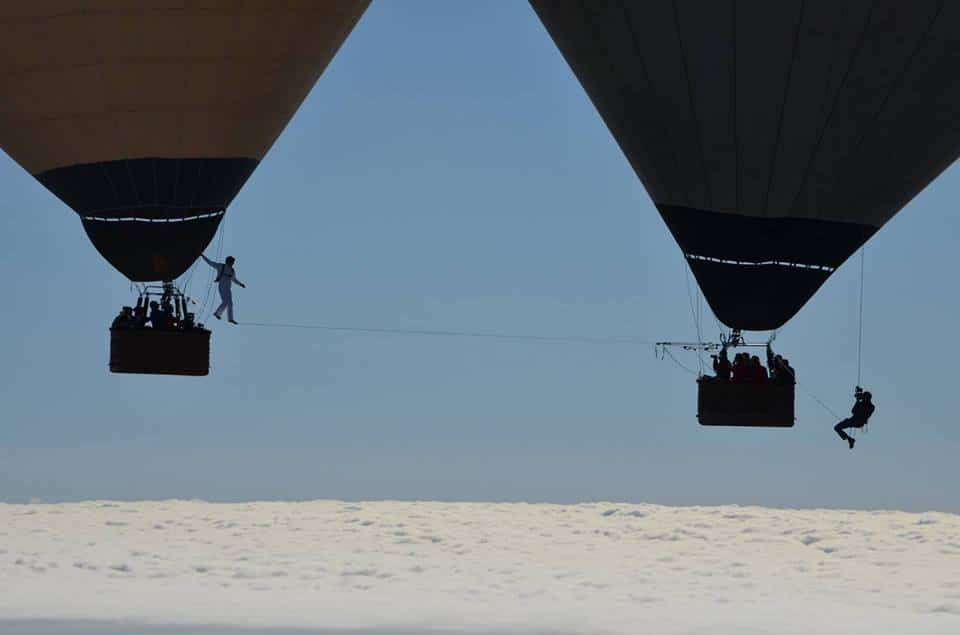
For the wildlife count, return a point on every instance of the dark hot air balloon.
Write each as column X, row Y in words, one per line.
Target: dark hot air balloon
column 774, row 137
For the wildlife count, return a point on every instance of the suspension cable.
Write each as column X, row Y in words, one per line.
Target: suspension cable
column 808, row 392
column 860, row 327
column 693, row 311
column 207, row 306
column 818, row 400
column 585, row 339
column 679, row 363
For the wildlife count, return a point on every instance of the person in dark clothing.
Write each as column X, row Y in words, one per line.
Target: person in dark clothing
column 741, row 368
column 758, row 374
column 789, row 375
column 171, row 320
column 124, row 320
column 140, row 313
column 775, row 366
column 862, row 409
column 780, row 371
column 721, row 365
column 158, row 317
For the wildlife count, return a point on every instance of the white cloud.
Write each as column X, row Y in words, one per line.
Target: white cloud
column 586, row 568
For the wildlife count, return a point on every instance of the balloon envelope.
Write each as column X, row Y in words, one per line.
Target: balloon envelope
column 774, row 137
column 147, row 117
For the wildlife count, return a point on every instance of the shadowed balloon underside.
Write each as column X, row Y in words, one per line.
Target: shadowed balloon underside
column 149, row 218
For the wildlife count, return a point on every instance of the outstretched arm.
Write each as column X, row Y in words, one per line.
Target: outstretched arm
column 215, row 265
column 237, row 281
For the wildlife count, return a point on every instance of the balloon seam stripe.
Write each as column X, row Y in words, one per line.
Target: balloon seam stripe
column 763, row 263
column 142, row 219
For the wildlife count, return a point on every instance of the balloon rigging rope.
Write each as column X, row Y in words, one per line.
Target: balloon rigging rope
column 678, row 363
column 813, row 396
column 207, row 305
column 859, row 350
column 860, row 332
column 863, row 251
column 818, row 400
column 693, row 312
column 189, row 279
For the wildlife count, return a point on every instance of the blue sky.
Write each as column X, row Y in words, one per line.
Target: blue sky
column 448, row 172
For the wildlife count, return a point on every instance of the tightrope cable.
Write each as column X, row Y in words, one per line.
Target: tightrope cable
column 585, row 339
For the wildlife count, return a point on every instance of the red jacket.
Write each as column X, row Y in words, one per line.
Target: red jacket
column 741, row 373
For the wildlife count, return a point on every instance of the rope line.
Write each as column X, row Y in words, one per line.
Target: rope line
column 819, row 401
column 863, row 258
column 810, row 394
column 585, row 339
column 206, row 308
column 680, row 364
column 693, row 311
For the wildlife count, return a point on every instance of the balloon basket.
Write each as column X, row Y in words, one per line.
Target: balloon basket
column 160, row 352
column 721, row 403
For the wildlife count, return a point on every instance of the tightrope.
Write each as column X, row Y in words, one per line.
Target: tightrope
column 586, row 339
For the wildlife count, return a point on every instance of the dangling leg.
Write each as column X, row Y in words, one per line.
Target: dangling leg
column 839, row 429
column 846, row 423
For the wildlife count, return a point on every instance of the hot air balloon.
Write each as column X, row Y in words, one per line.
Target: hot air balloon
column 146, row 118
column 775, row 138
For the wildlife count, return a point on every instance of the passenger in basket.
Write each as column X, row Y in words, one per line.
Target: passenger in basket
column 140, row 313
column 721, row 365
column 789, row 375
column 158, row 317
column 778, row 374
column 741, row 368
column 171, row 320
column 124, row 320
column 758, row 372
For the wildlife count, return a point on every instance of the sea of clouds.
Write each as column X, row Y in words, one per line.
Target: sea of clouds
column 418, row 567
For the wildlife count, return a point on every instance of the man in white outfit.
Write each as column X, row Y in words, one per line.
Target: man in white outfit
column 226, row 278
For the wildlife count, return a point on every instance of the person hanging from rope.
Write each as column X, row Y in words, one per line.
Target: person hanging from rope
column 226, row 278
column 862, row 409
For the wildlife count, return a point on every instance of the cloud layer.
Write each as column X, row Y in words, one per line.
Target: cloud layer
column 597, row 567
